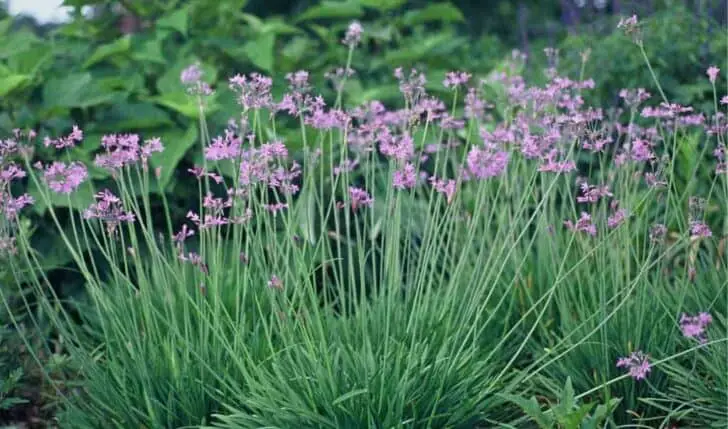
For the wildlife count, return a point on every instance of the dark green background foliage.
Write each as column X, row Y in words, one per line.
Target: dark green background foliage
column 119, row 72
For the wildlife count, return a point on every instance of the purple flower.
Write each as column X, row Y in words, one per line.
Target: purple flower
column 592, row 193
column 182, row 235
column 455, row 79
column 694, row 326
column 64, row 179
column 345, row 167
column 446, row 187
column 10, row 206
column 550, row 164
column 412, row 86
column 194, row 259
column 226, row 147
column 486, row 162
column 69, row 141
column 353, row 34
column 474, row 106
column 399, row 148
column 657, row 232
column 108, row 208
column 153, row 145
column 275, row 208
column 617, row 218
column 405, row 178
column 121, row 150
column 637, row 363
column 191, row 75
column 699, row 229
column 724, row 100
column 632, row 98
column 275, row 282
column 10, row 173
column 253, row 90
column 583, row 224
column 359, row 198
column 712, row 73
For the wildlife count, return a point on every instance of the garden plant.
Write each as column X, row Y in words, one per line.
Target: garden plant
column 501, row 254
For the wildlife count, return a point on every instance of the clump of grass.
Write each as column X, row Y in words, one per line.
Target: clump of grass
column 409, row 268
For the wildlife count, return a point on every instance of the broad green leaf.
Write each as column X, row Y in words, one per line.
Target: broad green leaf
column 176, row 144
column 382, row 5
column 185, row 104
column 78, row 90
column 176, row 20
column 79, row 199
column 567, row 395
column 439, row 12
column 331, row 9
column 30, row 60
column 135, row 116
column 532, row 410
column 5, row 25
column 17, row 41
column 150, row 51
column 66, row 91
column 261, row 51
column 12, row 82
column 271, row 25
column 419, row 52
column 577, row 417
column 103, row 52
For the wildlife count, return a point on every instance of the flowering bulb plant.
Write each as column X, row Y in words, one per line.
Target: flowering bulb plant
column 405, row 268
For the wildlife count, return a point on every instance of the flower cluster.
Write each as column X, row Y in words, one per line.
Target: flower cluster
column 108, row 208
column 638, row 364
column 122, row 150
column 694, row 326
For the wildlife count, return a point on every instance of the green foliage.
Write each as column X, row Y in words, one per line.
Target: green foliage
column 567, row 413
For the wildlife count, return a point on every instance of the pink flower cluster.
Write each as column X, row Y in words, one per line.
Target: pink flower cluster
column 638, row 365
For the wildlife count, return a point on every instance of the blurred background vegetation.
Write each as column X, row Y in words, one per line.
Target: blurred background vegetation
column 115, row 66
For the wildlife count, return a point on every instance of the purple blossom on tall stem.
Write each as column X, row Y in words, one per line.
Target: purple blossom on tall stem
column 182, row 235
column 617, row 218
column 405, row 178
column 10, row 206
column 191, row 77
column 583, row 224
column 359, row 198
column 592, row 193
column 486, row 162
column 411, row 86
column 699, row 229
column 224, row 147
column 633, row 98
column 275, row 282
column 445, row 187
column 120, row 150
column 550, row 163
column 108, row 208
column 455, row 79
column 64, row 179
column 353, row 34
column 637, row 363
column 253, row 91
column 630, row 26
column 712, row 73
column 399, row 148
column 69, row 141
column 694, row 326
column 658, row 232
